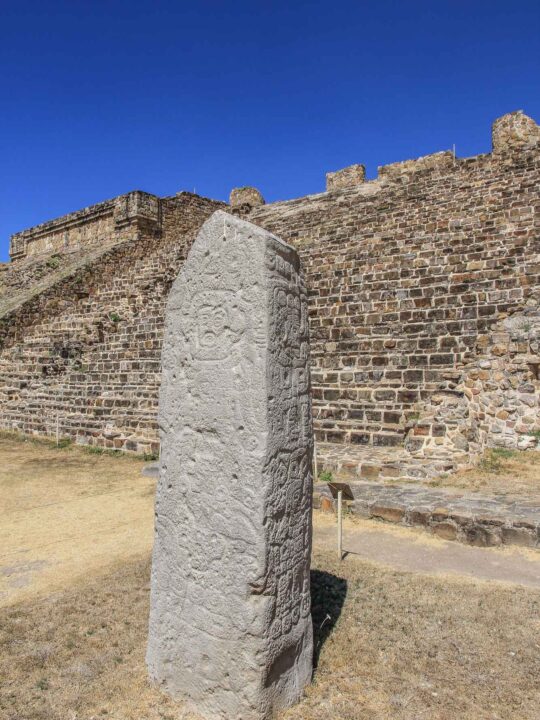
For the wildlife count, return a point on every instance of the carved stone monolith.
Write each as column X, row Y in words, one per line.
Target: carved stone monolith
column 230, row 625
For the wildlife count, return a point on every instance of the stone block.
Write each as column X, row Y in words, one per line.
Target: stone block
column 327, row 504
column 445, row 530
column 245, row 198
column 483, row 536
column 389, row 512
column 514, row 131
column 518, row 536
column 440, row 513
column 230, row 626
column 348, row 177
column 419, row 516
column 370, row 472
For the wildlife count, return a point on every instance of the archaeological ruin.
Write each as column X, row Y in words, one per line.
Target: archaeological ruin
column 423, row 309
column 230, row 624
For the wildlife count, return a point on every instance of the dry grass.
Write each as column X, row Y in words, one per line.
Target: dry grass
column 72, row 640
column 500, row 472
column 53, row 501
column 404, row 646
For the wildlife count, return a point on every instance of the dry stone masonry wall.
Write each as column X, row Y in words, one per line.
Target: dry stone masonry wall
column 423, row 294
column 85, row 350
column 409, row 277
column 92, row 226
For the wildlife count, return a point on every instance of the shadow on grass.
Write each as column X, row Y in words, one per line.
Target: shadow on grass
column 327, row 598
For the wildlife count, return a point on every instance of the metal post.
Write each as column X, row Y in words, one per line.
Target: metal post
column 315, row 468
column 339, row 524
column 57, row 429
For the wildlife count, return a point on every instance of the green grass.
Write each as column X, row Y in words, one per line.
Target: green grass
column 53, row 262
column 503, row 453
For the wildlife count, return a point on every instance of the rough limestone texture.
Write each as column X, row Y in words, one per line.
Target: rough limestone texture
column 348, row 177
column 244, row 199
column 230, row 625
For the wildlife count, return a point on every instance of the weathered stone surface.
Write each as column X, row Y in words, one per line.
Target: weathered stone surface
column 445, row 530
column 230, row 625
column 514, row 131
column 93, row 225
column 327, row 505
column 466, row 517
column 388, row 512
column 348, row 177
column 243, row 199
column 429, row 163
column 518, row 536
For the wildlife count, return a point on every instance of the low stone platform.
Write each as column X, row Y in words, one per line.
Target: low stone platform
column 469, row 518
column 365, row 462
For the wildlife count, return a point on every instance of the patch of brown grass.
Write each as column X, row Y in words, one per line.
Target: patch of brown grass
column 499, row 472
column 53, row 501
column 395, row 645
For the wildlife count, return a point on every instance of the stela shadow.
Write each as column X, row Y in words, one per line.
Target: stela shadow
column 328, row 594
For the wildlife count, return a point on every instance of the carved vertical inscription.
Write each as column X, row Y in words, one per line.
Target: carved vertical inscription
column 230, row 626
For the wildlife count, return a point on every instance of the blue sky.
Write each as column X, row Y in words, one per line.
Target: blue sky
column 99, row 98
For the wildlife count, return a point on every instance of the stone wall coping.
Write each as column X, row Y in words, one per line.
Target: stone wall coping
column 467, row 517
column 388, row 179
column 439, row 163
column 90, row 212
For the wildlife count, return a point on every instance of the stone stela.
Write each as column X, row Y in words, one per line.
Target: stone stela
column 230, row 625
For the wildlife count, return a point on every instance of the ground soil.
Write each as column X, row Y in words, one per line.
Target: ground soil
column 67, row 513
column 499, row 472
column 403, row 643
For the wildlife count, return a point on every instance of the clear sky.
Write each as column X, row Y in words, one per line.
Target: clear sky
column 101, row 97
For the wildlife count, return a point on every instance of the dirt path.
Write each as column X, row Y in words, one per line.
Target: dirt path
column 414, row 551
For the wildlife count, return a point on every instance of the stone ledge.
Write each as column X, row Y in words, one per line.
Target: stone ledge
column 350, row 176
column 367, row 462
column 135, row 206
column 468, row 518
column 402, row 171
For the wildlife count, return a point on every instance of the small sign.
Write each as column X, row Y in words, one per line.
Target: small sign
column 335, row 487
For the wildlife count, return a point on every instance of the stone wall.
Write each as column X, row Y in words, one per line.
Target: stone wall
column 410, row 276
column 421, row 284
column 85, row 350
column 93, row 225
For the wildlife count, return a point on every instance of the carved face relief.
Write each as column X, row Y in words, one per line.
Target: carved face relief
column 212, row 323
column 219, row 324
